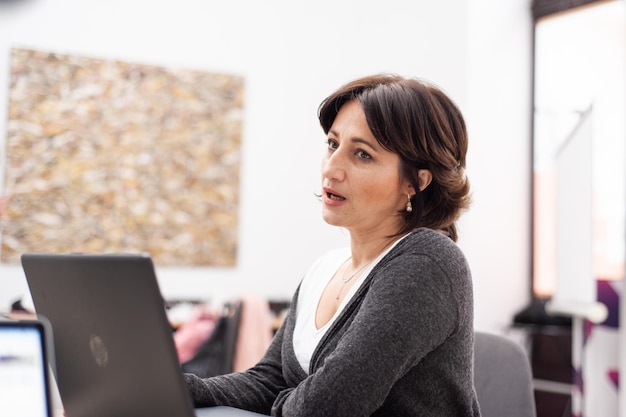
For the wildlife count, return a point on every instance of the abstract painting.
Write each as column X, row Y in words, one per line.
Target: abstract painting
column 111, row 156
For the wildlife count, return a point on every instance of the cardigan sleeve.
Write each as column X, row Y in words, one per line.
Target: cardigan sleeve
column 254, row 389
column 409, row 309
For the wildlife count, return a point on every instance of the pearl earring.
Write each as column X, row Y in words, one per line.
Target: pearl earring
column 409, row 207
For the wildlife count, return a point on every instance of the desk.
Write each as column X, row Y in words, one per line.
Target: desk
column 202, row 412
column 225, row 412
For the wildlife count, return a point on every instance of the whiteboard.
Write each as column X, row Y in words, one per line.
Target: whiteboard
column 575, row 292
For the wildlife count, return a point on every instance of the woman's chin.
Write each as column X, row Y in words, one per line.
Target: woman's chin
column 331, row 219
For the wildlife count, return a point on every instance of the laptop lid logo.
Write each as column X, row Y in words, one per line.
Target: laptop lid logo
column 99, row 350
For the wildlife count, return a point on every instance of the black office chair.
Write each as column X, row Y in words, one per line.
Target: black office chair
column 502, row 377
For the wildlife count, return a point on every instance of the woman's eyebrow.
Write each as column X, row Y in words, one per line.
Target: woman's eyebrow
column 366, row 142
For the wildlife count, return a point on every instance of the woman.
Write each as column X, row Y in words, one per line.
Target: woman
column 383, row 328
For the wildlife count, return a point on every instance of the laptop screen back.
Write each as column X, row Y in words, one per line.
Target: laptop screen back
column 114, row 347
column 24, row 388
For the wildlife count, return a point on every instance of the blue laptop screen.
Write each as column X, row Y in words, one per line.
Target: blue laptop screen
column 23, row 383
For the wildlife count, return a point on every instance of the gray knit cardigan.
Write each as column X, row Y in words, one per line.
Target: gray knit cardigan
column 403, row 346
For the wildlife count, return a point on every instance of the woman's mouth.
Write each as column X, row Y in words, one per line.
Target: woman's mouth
column 334, row 197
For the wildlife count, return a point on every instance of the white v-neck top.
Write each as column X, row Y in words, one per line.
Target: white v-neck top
column 306, row 335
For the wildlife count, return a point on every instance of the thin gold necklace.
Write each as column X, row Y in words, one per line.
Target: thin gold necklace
column 354, row 274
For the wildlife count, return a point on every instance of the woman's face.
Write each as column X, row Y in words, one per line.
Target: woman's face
column 361, row 185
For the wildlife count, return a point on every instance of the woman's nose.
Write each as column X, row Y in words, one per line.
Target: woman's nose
column 333, row 167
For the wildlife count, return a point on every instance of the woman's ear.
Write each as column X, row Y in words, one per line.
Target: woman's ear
column 425, row 177
column 409, row 189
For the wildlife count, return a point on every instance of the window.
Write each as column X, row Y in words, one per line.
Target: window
column 579, row 144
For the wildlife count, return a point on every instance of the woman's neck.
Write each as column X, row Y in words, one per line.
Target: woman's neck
column 365, row 249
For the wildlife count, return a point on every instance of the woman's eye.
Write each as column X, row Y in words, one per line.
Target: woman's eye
column 332, row 144
column 363, row 155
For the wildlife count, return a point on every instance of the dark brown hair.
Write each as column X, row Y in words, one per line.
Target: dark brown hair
column 420, row 123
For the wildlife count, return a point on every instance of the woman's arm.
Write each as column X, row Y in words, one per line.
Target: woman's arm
column 254, row 389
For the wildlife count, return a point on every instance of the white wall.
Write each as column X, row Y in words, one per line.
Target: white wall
column 292, row 54
column 496, row 232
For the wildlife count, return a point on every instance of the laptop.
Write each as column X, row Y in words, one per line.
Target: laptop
column 25, row 358
column 115, row 352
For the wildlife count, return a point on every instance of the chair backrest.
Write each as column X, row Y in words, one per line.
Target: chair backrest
column 502, row 377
